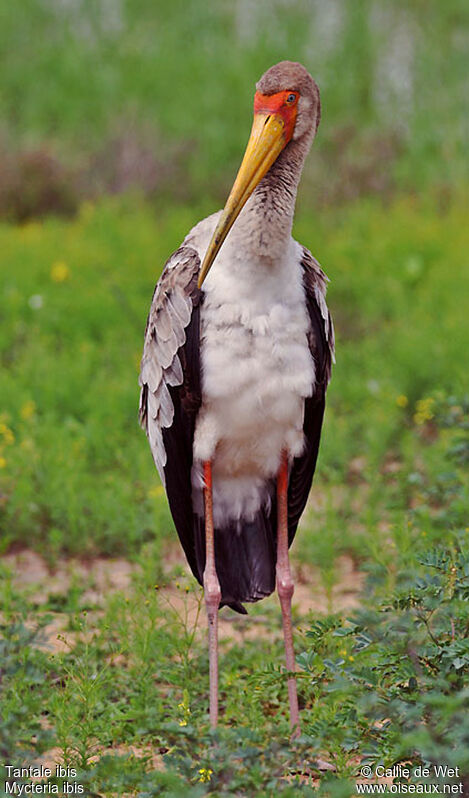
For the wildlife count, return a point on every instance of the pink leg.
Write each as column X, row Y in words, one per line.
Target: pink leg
column 212, row 594
column 285, row 588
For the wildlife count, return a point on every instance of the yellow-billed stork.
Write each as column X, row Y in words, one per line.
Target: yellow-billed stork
column 234, row 372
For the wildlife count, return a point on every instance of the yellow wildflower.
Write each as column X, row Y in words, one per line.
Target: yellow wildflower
column 185, row 709
column 28, row 410
column 402, row 400
column 3, row 462
column 205, row 774
column 423, row 410
column 59, row 271
column 6, row 434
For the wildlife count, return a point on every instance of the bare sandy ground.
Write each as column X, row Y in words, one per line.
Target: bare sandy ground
column 101, row 576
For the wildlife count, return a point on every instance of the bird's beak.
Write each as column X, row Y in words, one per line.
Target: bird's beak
column 266, row 142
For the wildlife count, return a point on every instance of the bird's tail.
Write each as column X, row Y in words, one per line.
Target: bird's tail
column 245, row 557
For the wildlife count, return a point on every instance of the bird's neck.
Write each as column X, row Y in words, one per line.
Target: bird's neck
column 263, row 229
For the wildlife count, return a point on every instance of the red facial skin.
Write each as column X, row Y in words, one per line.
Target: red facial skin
column 277, row 104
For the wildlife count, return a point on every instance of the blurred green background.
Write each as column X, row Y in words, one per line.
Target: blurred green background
column 103, row 95
column 122, row 123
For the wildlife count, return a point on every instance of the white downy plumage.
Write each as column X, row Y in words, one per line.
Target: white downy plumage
column 257, row 369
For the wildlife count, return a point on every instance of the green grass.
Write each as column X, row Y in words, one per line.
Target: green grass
column 124, row 701
column 77, row 475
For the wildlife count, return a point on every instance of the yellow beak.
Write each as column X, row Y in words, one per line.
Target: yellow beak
column 265, row 144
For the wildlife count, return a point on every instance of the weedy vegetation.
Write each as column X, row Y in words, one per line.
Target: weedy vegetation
column 114, row 681
column 108, row 155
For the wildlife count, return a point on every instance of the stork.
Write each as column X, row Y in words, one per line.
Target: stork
column 235, row 366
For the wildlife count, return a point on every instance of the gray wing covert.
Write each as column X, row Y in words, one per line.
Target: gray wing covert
column 163, row 365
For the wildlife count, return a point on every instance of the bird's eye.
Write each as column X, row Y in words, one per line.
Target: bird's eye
column 291, row 98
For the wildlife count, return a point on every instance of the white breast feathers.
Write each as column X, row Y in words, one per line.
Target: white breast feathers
column 257, row 370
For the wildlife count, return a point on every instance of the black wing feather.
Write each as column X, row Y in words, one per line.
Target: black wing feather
column 321, row 345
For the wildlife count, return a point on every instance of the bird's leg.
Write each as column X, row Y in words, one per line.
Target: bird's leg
column 212, row 593
column 285, row 588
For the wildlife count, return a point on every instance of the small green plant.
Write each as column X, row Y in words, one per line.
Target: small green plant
column 25, row 677
column 84, row 722
column 392, row 684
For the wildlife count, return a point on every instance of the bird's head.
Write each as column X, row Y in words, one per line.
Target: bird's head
column 287, row 111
